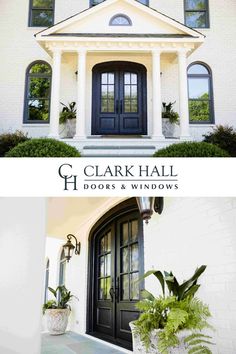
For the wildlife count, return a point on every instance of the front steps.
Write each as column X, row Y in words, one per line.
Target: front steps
column 122, row 150
column 108, row 147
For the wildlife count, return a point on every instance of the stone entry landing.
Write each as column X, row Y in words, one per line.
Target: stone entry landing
column 72, row 343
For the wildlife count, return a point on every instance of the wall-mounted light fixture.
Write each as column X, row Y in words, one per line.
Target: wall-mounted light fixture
column 69, row 247
column 149, row 204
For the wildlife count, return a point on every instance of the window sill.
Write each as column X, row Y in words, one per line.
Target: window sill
column 36, row 125
column 202, row 124
column 35, row 28
column 201, row 28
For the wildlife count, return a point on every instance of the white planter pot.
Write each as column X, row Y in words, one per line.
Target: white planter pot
column 169, row 130
column 57, row 320
column 139, row 348
column 68, row 129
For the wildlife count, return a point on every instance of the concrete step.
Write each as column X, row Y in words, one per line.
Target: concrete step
column 119, row 147
column 120, row 150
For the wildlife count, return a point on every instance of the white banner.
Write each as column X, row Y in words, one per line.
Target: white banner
column 36, row 177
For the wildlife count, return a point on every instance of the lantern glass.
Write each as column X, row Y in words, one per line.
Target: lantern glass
column 146, row 205
column 68, row 249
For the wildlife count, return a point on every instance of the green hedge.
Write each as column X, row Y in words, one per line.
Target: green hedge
column 191, row 149
column 9, row 140
column 43, row 147
column 224, row 137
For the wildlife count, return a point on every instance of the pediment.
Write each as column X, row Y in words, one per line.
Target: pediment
column 96, row 21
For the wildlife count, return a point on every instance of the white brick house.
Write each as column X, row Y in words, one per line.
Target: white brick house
column 118, row 60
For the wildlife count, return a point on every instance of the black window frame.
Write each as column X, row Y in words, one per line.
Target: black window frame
column 91, row 3
column 26, row 99
column 31, row 9
column 211, row 92
column 195, row 10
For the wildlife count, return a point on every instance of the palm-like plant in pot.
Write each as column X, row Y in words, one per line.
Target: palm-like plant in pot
column 57, row 310
column 68, row 118
column 170, row 119
column 173, row 323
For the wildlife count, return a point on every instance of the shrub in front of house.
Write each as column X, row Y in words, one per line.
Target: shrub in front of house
column 223, row 137
column 191, row 149
column 9, row 140
column 43, row 147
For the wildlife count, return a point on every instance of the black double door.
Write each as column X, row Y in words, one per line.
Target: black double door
column 118, row 263
column 119, row 99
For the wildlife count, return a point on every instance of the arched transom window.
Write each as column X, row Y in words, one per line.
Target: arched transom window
column 120, row 20
column 38, row 93
column 200, row 88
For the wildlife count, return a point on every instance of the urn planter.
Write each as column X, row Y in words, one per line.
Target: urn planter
column 139, row 347
column 57, row 320
column 170, row 130
column 68, row 128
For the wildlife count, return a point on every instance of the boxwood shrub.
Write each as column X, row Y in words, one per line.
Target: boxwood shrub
column 191, row 149
column 224, row 137
column 9, row 140
column 43, row 147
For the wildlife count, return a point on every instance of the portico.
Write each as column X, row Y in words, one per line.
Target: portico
column 133, row 109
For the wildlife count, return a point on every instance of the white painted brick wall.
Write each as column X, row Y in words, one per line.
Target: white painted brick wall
column 195, row 231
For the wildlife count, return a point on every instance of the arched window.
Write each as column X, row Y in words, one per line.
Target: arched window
column 37, row 93
column 120, row 20
column 46, row 281
column 200, row 89
column 62, row 269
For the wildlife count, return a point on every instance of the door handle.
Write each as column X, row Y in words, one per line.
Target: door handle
column 117, row 289
column 112, row 292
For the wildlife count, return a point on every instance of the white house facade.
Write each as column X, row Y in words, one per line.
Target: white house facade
column 119, row 61
column 116, row 248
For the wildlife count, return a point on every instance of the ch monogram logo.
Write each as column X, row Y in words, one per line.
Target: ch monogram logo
column 70, row 180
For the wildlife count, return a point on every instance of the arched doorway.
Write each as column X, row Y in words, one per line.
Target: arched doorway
column 119, row 102
column 115, row 265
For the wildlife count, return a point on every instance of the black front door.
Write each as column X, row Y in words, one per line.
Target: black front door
column 118, row 263
column 119, row 99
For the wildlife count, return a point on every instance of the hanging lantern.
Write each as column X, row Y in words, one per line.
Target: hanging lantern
column 69, row 248
column 149, row 204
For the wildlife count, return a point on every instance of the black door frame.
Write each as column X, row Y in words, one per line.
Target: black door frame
column 141, row 70
column 126, row 207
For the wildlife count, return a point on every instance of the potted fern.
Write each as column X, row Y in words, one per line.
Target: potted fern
column 68, row 119
column 172, row 324
column 170, row 120
column 57, row 310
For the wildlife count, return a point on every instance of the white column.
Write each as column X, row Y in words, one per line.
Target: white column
column 55, row 94
column 156, row 96
column 81, row 91
column 183, row 95
column 22, row 255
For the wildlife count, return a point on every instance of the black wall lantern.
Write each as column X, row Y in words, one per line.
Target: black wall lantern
column 149, row 204
column 69, row 247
